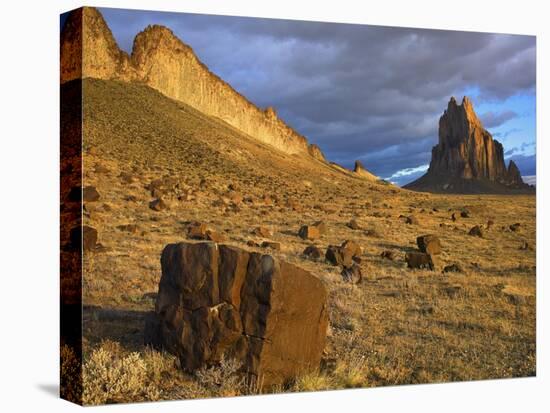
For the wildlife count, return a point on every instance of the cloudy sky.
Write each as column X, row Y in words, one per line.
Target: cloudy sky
column 364, row 92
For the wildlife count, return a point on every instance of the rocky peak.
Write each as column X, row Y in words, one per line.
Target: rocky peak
column 465, row 154
column 513, row 174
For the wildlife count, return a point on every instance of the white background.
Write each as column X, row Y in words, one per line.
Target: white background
column 29, row 214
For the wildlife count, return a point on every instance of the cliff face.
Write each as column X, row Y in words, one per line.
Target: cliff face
column 163, row 62
column 465, row 148
column 467, row 159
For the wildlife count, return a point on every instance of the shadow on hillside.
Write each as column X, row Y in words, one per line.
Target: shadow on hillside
column 120, row 325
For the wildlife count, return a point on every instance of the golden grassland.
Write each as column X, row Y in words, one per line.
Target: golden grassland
column 398, row 326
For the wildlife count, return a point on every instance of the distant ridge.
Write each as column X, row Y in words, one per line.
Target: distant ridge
column 162, row 61
column 467, row 159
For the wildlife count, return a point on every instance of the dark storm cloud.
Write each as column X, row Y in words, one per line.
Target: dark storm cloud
column 493, row 119
column 359, row 92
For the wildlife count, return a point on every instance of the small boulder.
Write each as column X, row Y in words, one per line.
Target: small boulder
column 453, row 268
column 272, row 245
column 84, row 237
column 197, row 230
column 131, row 228
column 309, row 232
column 262, row 232
column 476, row 231
column 388, row 255
column 214, row 236
column 126, row 178
column 465, row 213
column 86, row 194
column 352, row 274
column 515, row 227
column 420, row 260
column 429, row 244
column 411, row 220
column 321, row 227
column 313, row 252
column 158, row 205
column 353, row 224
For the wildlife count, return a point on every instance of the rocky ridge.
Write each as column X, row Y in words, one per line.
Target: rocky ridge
column 162, row 61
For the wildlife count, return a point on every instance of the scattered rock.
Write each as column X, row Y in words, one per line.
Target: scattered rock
column 515, row 227
column 419, row 260
column 388, row 255
column 352, row 274
column 453, row 268
column 453, row 217
column 353, row 224
column 411, row 220
column 221, row 301
column 490, row 223
column 343, row 254
column 354, row 249
column 131, row 228
column 465, row 213
column 476, row 231
column 197, row 230
column 429, row 244
column 313, row 252
column 126, row 178
column 262, row 232
column 452, row 291
column 214, row 236
column 309, row 232
column 272, row 244
column 86, row 194
column 158, row 205
column 321, row 227
column 84, row 237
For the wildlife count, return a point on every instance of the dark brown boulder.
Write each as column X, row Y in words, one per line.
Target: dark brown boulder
column 272, row 245
column 388, row 254
column 515, row 227
column 86, row 194
column 352, row 274
column 453, row 268
column 429, row 244
column 197, row 230
column 313, row 252
column 419, row 260
column 465, row 213
column 219, row 301
column 343, row 255
column 84, row 237
column 476, row 231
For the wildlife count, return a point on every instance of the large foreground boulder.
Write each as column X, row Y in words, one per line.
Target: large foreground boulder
column 219, row 301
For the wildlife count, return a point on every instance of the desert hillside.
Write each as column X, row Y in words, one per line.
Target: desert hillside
column 158, row 165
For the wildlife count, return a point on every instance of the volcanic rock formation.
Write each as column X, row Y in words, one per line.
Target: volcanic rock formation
column 467, row 159
column 162, row 61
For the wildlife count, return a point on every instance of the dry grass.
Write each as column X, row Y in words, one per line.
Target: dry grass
column 397, row 327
